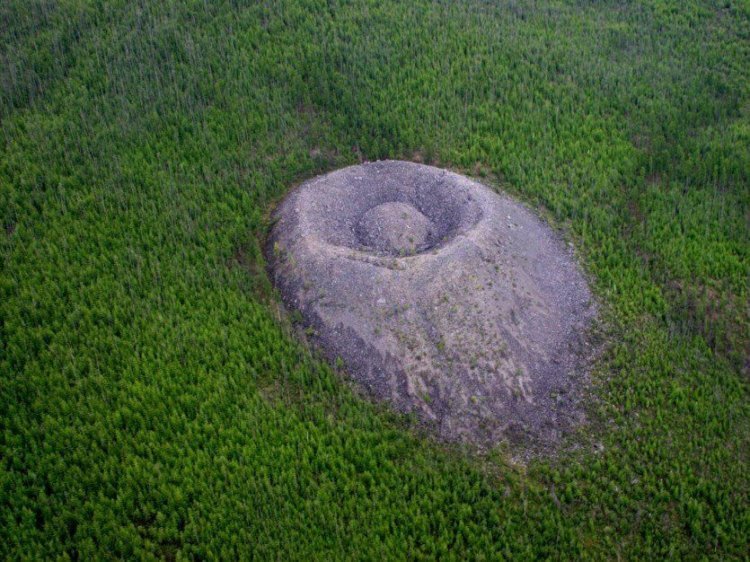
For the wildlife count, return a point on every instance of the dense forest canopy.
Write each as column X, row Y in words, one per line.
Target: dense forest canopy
column 154, row 401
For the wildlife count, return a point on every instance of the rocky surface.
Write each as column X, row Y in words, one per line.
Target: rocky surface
column 441, row 296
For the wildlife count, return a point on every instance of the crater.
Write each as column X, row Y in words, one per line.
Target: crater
column 441, row 296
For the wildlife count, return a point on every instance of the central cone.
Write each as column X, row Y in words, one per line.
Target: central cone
column 395, row 228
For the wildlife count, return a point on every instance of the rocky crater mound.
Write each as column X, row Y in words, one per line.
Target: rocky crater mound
column 441, row 296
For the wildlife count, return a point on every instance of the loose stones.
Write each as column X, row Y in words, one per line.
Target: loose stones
column 441, row 297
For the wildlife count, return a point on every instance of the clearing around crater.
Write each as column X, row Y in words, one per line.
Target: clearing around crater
column 441, row 296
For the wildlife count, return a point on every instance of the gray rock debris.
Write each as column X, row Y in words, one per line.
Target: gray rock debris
column 441, row 297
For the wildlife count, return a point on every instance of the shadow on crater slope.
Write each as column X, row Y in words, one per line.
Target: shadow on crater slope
column 441, row 296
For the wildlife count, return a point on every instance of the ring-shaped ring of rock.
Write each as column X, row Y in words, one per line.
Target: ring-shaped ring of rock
column 375, row 217
column 480, row 330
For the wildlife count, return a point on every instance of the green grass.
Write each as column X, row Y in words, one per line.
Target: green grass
column 153, row 400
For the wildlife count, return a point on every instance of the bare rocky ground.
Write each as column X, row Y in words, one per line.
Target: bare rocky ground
column 441, row 297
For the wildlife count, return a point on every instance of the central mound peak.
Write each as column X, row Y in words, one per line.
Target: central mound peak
column 395, row 228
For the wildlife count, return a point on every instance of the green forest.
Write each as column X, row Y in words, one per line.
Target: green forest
column 155, row 400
